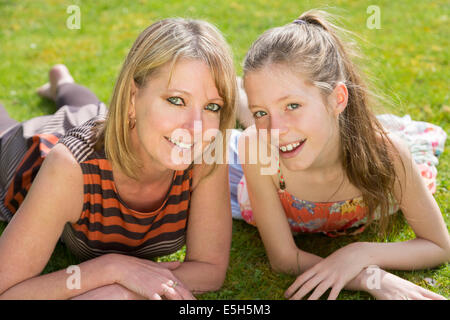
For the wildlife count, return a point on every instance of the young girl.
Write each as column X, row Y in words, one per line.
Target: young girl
column 111, row 189
column 338, row 169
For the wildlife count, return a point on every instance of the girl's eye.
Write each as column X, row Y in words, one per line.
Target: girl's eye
column 292, row 106
column 176, row 101
column 213, row 107
column 259, row 114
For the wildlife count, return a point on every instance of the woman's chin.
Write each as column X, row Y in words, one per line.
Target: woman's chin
column 177, row 166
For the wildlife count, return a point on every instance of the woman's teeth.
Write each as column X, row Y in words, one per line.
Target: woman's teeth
column 291, row 146
column 181, row 144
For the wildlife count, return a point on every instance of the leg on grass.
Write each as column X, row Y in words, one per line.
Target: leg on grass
column 63, row 90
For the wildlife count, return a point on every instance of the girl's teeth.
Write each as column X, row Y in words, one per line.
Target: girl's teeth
column 290, row 146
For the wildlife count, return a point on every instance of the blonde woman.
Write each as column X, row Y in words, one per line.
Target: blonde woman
column 111, row 189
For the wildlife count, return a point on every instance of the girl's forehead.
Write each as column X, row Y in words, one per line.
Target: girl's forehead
column 278, row 81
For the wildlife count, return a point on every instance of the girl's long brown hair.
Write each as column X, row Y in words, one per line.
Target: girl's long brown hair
column 313, row 47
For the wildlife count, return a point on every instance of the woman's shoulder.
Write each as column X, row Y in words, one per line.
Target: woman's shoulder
column 82, row 140
column 61, row 159
column 61, row 167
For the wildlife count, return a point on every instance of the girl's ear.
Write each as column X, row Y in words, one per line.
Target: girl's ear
column 339, row 98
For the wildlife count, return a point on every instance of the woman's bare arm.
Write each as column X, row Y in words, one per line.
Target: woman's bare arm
column 26, row 245
column 208, row 234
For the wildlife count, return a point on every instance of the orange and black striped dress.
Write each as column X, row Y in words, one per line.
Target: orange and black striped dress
column 106, row 223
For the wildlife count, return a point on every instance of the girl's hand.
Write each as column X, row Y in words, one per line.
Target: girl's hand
column 393, row 287
column 149, row 279
column 334, row 272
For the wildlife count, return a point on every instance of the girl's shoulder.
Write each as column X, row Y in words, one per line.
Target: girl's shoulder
column 400, row 156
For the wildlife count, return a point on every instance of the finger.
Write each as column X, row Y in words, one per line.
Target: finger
column 170, row 293
column 320, row 290
column 431, row 295
column 307, row 287
column 155, row 296
column 335, row 291
column 184, row 292
column 171, row 265
column 299, row 282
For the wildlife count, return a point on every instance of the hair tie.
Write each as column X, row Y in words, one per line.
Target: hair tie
column 299, row 21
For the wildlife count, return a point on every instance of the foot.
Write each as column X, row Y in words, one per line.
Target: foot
column 57, row 75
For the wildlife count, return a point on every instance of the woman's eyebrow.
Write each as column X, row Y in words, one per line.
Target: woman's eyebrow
column 173, row 90
column 179, row 91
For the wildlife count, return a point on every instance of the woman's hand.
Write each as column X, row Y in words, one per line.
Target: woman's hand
column 149, row 279
column 334, row 272
column 392, row 287
column 110, row 292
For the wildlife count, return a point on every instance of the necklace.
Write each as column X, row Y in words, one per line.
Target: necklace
column 340, row 185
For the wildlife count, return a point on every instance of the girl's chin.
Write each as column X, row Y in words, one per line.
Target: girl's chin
column 295, row 164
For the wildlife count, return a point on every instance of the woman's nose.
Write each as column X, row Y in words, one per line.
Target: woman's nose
column 193, row 119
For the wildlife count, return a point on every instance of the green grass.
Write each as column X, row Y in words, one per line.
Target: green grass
column 407, row 59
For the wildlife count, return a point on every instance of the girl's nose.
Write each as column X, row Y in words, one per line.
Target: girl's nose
column 277, row 121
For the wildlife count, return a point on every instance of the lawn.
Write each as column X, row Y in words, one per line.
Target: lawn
column 407, row 59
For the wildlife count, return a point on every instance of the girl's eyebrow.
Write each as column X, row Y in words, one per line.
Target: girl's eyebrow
column 286, row 97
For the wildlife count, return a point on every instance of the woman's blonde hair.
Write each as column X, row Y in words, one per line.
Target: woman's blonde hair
column 163, row 42
column 312, row 46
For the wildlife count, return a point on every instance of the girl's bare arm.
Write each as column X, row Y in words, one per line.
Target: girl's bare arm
column 431, row 247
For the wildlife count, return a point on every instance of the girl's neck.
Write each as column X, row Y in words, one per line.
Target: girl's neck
column 329, row 162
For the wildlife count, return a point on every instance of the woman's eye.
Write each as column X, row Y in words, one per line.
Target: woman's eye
column 259, row 114
column 292, row 106
column 176, row 101
column 213, row 107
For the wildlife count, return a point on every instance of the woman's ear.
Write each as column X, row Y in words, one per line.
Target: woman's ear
column 339, row 98
column 133, row 94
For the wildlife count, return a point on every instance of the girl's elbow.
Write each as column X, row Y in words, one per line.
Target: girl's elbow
column 278, row 265
column 447, row 260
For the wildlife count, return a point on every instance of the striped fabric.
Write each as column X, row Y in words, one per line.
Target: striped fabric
column 24, row 145
column 106, row 224
column 28, row 168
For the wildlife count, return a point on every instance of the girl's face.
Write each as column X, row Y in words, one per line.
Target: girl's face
column 170, row 102
column 308, row 129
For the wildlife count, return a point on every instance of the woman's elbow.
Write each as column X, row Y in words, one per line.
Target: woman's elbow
column 219, row 279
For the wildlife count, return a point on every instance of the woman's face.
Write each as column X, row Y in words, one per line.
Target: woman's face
column 281, row 99
column 174, row 101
